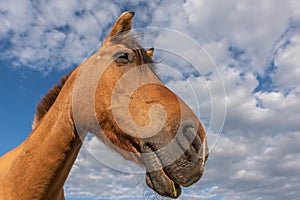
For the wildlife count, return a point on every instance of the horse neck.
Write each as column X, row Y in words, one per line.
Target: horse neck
column 41, row 164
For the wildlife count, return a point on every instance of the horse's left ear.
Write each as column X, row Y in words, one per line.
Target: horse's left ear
column 150, row 52
column 122, row 24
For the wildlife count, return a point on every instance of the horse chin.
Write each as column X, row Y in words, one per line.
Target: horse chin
column 162, row 184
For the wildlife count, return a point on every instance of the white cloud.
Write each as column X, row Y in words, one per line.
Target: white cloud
column 251, row 28
column 15, row 16
column 255, row 168
column 53, row 35
column 287, row 61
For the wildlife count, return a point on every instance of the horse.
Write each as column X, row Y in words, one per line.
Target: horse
column 117, row 95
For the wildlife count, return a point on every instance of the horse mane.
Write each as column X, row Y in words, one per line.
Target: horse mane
column 48, row 100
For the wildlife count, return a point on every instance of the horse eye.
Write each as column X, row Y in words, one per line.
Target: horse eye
column 123, row 58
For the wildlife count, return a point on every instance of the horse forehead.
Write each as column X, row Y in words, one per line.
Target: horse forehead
column 110, row 48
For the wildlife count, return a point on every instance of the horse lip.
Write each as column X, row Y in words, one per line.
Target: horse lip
column 167, row 187
column 156, row 177
column 191, row 181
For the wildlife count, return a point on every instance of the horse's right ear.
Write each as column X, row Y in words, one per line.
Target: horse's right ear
column 122, row 24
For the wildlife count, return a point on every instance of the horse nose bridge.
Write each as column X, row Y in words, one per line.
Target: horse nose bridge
column 187, row 113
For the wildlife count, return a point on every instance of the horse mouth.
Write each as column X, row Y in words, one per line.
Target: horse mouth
column 161, row 183
column 168, row 180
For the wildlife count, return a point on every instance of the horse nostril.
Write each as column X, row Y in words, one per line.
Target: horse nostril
column 191, row 135
column 188, row 138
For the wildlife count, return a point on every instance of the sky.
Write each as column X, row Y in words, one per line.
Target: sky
column 249, row 49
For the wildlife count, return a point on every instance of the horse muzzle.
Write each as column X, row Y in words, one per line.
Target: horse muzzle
column 179, row 163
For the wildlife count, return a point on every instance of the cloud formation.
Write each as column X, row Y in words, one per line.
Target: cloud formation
column 254, row 44
column 53, row 35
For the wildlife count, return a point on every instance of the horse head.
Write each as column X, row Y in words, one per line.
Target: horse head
column 141, row 118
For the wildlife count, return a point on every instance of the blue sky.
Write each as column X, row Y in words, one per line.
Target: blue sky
column 254, row 46
column 22, row 89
